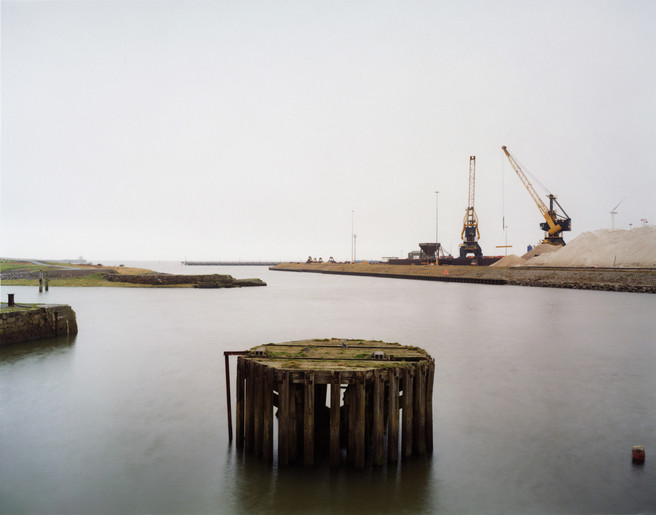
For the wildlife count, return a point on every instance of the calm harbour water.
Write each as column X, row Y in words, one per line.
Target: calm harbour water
column 539, row 396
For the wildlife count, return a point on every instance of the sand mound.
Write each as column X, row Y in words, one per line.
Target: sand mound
column 542, row 248
column 511, row 260
column 605, row 247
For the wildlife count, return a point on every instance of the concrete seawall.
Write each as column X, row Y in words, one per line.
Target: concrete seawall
column 634, row 280
column 24, row 323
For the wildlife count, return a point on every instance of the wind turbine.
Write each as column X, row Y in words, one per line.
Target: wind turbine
column 613, row 213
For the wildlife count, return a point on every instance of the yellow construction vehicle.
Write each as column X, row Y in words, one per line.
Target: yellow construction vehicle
column 555, row 224
column 470, row 233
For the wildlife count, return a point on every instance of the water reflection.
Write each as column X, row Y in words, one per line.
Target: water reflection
column 36, row 349
column 258, row 487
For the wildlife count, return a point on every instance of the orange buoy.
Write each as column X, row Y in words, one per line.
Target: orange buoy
column 638, row 453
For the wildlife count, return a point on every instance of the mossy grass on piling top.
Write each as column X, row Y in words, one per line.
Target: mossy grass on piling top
column 335, row 354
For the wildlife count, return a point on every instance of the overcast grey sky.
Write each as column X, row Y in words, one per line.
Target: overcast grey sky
column 260, row 130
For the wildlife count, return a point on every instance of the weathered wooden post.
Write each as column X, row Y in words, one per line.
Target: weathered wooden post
column 378, row 418
column 258, row 423
column 308, row 420
column 335, row 401
column 267, row 406
column 419, row 410
column 360, row 421
column 46, row 280
column 249, row 417
column 283, row 418
column 239, row 411
column 40, row 281
column 429, row 406
column 393, row 416
column 406, row 429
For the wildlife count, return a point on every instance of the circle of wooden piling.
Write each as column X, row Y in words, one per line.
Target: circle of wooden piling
column 372, row 386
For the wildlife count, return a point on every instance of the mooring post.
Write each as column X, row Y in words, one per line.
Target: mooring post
column 46, row 280
column 335, row 398
column 378, row 429
column 283, row 418
column 240, row 403
column 393, row 416
column 267, row 450
column 10, row 299
column 308, row 420
column 406, row 434
column 40, row 281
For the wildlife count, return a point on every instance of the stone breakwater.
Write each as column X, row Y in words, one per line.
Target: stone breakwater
column 198, row 281
column 25, row 323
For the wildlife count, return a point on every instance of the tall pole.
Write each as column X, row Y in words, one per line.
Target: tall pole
column 352, row 238
column 437, row 240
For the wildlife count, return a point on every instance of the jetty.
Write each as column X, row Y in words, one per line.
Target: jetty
column 231, row 263
column 354, row 402
column 25, row 322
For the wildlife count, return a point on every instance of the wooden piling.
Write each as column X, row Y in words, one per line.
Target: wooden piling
column 360, row 421
column 227, row 375
column 258, row 415
column 239, row 410
column 378, row 418
column 351, row 420
column 419, row 410
column 267, row 415
column 308, row 420
column 249, row 418
column 406, row 429
column 293, row 421
column 283, row 418
column 384, row 383
column 429, row 406
column 335, row 406
column 393, row 416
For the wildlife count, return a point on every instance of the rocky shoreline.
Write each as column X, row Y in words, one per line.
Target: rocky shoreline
column 198, row 281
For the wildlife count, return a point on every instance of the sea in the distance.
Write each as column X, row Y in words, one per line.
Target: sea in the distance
column 539, row 395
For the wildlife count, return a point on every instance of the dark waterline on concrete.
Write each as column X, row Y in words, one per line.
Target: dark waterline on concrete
column 539, row 396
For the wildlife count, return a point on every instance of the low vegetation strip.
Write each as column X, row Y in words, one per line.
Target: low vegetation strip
column 21, row 273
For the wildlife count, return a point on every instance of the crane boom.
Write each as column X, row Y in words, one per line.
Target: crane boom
column 554, row 226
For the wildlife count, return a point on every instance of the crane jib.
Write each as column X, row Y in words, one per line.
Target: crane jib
column 553, row 226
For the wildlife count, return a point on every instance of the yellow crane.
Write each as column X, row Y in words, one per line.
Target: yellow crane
column 470, row 233
column 555, row 224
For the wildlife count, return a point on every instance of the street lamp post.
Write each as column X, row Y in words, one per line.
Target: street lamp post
column 352, row 239
column 437, row 240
